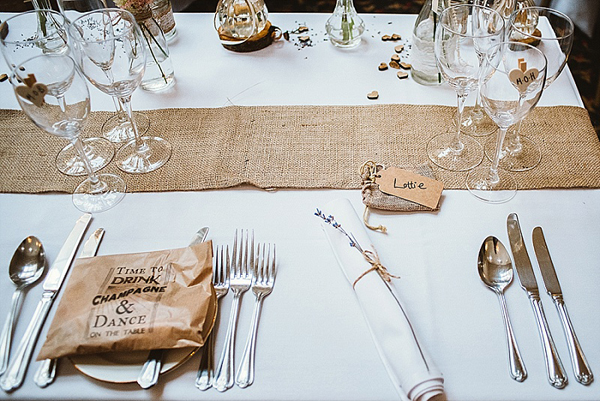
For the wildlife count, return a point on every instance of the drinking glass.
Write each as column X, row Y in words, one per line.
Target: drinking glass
column 117, row 127
column 551, row 32
column 54, row 95
column 465, row 32
column 37, row 32
column 111, row 54
column 475, row 122
column 511, row 84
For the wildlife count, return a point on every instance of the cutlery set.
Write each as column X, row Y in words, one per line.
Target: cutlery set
column 495, row 269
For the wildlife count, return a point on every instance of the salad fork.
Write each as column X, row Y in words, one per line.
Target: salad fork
column 221, row 285
column 262, row 285
column 240, row 278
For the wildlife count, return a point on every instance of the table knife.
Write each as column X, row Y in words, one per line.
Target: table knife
column 581, row 368
column 554, row 367
column 46, row 372
column 150, row 372
column 16, row 371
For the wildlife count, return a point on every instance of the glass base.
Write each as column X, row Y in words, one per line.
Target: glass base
column 467, row 158
column 90, row 199
column 476, row 124
column 118, row 130
column 154, row 153
column 98, row 150
column 484, row 188
column 521, row 157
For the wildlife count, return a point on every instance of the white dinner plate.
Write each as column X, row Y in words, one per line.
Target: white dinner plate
column 124, row 367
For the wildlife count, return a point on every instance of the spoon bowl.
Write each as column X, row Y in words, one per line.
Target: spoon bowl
column 496, row 272
column 26, row 267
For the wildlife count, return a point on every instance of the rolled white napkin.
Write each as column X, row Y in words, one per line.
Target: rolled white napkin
column 412, row 372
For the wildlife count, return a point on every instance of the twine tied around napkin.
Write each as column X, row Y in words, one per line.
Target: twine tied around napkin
column 374, row 198
column 373, row 258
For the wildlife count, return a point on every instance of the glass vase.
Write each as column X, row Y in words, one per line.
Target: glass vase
column 423, row 64
column 345, row 27
column 159, row 73
column 162, row 11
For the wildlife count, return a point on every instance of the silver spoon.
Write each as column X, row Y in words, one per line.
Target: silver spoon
column 26, row 267
column 496, row 272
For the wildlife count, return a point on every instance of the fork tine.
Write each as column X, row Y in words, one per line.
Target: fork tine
column 272, row 266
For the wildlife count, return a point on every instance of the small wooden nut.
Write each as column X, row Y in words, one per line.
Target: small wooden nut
column 373, row 95
column 399, row 48
column 394, row 64
column 402, row 74
column 395, row 58
column 383, row 67
column 386, row 38
column 405, row 66
column 396, row 37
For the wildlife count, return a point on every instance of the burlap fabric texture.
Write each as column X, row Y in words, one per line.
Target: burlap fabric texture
column 297, row 147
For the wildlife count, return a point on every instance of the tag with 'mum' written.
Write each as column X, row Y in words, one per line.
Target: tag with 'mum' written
column 410, row 186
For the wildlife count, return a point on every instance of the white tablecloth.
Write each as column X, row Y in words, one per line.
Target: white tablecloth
column 313, row 343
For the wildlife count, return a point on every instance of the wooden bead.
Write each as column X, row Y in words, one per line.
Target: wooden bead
column 395, row 58
column 405, row 66
column 383, row 67
column 402, row 74
column 395, row 65
column 373, row 95
column 399, row 48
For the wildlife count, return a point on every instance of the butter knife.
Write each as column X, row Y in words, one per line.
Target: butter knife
column 46, row 372
column 16, row 371
column 554, row 367
column 150, row 372
column 583, row 373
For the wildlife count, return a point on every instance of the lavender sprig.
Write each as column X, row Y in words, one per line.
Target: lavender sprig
column 331, row 220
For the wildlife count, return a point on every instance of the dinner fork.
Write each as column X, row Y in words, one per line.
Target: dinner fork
column 240, row 278
column 262, row 285
column 221, row 285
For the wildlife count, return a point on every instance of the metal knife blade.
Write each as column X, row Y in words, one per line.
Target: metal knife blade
column 16, row 371
column 46, row 372
column 545, row 263
column 61, row 265
column 150, row 372
column 520, row 255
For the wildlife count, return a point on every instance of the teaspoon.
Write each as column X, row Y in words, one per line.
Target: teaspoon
column 496, row 272
column 26, row 267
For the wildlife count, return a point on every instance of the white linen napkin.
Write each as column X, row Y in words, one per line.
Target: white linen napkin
column 412, row 372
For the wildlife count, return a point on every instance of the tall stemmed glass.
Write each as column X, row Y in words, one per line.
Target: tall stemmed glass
column 475, row 122
column 110, row 51
column 551, row 32
column 38, row 32
column 117, row 127
column 54, row 95
column 465, row 32
column 511, row 84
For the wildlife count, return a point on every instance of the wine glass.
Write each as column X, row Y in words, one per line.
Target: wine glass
column 475, row 122
column 511, row 84
column 54, row 95
column 111, row 54
column 552, row 33
column 37, row 32
column 117, row 127
column 465, row 32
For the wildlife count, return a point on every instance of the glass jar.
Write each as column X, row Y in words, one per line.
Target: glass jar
column 423, row 64
column 345, row 27
column 162, row 11
column 236, row 21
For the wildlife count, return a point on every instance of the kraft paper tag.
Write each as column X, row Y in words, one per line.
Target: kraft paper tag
column 32, row 90
column 410, row 186
column 523, row 77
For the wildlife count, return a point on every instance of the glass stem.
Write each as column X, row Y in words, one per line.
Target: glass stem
column 514, row 137
column 461, row 97
column 494, row 168
column 93, row 177
column 140, row 144
column 120, row 112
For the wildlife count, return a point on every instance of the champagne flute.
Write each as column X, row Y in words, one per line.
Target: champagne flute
column 465, row 32
column 111, row 54
column 117, row 127
column 37, row 32
column 511, row 84
column 54, row 95
column 475, row 122
column 552, row 33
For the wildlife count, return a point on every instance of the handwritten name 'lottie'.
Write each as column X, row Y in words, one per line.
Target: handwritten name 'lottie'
column 410, row 185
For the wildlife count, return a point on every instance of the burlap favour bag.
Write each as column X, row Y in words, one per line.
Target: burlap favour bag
column 374, row 198
column 132, row 302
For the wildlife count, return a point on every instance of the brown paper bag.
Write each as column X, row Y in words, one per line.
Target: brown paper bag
column 142, row 301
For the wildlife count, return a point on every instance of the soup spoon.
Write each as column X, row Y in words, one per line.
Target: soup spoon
column 496, row 272
column 26, row 267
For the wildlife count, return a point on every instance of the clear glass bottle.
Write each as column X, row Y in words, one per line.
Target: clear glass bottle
column 236, row 21
column 423, row 65
column 345, row 27
column 159, row 73
column 162, row 11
